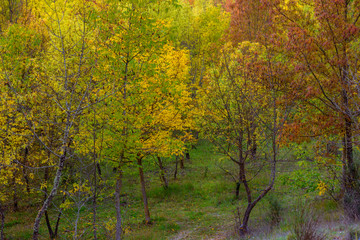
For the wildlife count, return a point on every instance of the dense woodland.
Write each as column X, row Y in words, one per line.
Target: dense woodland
column 224, row 119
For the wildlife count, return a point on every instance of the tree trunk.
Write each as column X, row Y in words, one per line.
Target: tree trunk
column 182, row 158
column 26, row 151
column 237, row 192
column 187, row 155
column 50, row 197
column 59, row 217
column 143, row 191
column 243, row 230
column 52, row 234
column 117, row 205
column 15, row 197
column 254, row 147
column 176, row 167
column 352, row 189
column 351, row 199
column 162, row 173
column 2, row 224
column 48, row 224
column 98, row 168
column 94, row 204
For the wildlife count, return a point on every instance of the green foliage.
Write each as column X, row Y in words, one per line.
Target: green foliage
column 12, row 223
column 275, row 210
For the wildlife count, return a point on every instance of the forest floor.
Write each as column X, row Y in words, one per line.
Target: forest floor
column 199, row 204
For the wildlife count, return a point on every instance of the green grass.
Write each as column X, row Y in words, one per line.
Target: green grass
column 199, row 204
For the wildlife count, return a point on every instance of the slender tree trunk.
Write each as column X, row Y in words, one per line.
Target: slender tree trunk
column 187, row 155
column 50, row 196
column 176, row 167
column 162, row 173
column 237, row 191
column 48, row 224
column 143, row 191
column 15, row 197
column 243, row 229
column 182, row 166
column 96, row 166
column 58, row 222
column 351, row 187
column 2, row 224
column 94, row 204
column 52, row 233
column 99, row 169
column 244, row 226
column 351, row 200
column 59, row 216
column 351, row 184
column 251, row 204
column 254, row 147
column 117, row 205
column 26, row 151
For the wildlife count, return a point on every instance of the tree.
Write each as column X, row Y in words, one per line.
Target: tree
column 243, row 117
column 61, row 80
column 322, row 45
column 150, row 102
column 19, row 44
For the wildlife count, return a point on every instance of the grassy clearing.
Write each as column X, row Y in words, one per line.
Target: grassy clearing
column 199, row 204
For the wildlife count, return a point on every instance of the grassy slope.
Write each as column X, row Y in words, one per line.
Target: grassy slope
column 200, row 204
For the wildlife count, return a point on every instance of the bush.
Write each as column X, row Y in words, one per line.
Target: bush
column 353, row 235
column 275, row 209
column 305, row 225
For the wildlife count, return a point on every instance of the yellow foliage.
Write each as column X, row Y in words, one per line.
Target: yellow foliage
column 322, row 188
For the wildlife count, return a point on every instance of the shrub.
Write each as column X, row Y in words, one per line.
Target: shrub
column 305, row 225
column 275, row 209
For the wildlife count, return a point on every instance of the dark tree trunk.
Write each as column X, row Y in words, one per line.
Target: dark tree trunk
column 143, row 191
column 58, row 218
column 117, row 205
column 187, row 155
column 351, row 199
column 162, row 173
column 176, row 167
column 52, row 234
column 351, row 184
column 254, row 148
column 182, row 165
column 15, row 197
column 48, row 224
column 98, row 168
column 237, row 192
column 94, row 204
column 26, row 151
column 243, row 228
column 2, row 224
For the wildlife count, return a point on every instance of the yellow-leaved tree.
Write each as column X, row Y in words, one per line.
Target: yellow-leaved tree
column 152, row 103
column 20, row 43
column 63, row 84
